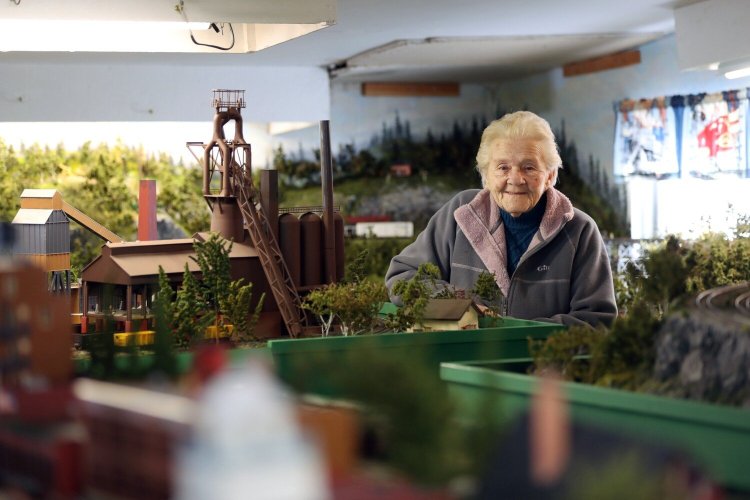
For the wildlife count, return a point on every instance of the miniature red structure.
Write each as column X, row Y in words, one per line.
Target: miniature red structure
column 401, row 170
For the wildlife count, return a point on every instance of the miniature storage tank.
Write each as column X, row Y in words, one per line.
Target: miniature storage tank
column 338, row 226
column 290, row 245
column 311, row 229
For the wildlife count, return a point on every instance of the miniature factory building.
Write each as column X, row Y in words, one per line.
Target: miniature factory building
column 42, row 229
column 129, row 273
column 43, row 234
column 282, row 255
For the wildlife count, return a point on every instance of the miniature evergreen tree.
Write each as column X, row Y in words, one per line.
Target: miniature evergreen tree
column 487, row 290
column 215, row 299
column 165, row 296
column 164, row 359
column 189, row 315
column 212, row 256
column 164, row 311
column 486, row 287
column 357, row 269
column 236, row 304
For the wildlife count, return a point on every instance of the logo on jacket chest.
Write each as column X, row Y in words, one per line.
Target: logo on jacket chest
column 543, row 268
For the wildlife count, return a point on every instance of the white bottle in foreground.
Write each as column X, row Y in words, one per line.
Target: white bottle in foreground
column 247, row 443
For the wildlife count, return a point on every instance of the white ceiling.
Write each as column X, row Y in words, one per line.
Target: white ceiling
column 446, row 40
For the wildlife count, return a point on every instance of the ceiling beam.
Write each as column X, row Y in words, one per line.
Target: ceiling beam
column 610, row 61
column 410, row 89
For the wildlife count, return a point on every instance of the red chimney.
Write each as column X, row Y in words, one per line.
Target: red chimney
column 147, row 211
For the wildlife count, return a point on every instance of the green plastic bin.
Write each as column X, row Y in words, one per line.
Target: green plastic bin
column 717, row 437
column 309, row 364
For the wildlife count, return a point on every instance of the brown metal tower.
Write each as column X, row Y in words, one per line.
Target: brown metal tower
column 229, row 191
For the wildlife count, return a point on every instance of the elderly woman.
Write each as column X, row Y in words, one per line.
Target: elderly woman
column 548, row 257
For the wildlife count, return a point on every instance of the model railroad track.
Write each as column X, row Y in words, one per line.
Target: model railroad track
column 732, row 301
column 742, row 303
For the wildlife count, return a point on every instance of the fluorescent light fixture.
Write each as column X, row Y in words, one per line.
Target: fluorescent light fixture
column 25, row 35
column 738, row 73
column 20, row 25
column 142, row 26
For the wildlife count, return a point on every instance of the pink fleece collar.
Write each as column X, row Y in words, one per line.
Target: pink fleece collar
column 481, row 215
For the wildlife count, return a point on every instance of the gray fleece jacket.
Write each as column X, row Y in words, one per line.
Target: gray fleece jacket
column 564, row 276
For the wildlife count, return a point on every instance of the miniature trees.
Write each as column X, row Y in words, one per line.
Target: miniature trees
column 216, row 298
column 235, row 303
column 229, row 300
column 212, row 256
column 188, row 306
column 486, row 289
column 416, row 292
column 355, row 304
column 648, row 292
column 355, row 301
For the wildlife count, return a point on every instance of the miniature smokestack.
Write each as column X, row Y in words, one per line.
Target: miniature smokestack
column 269, row 198
column 147, row 210
column 326, row 175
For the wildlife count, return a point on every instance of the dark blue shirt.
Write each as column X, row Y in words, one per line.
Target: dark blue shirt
column 519, row 231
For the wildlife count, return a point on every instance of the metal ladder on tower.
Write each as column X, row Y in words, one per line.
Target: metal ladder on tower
column 277, row 274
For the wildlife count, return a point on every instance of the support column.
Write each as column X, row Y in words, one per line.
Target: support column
column 129, row 309
column 85, row 312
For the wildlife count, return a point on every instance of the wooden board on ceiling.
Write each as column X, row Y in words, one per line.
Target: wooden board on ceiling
column 610, row 61
column 410, row 89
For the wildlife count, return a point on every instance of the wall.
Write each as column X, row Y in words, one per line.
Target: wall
column 169, row 105
column 357, row 119
column 160, row 105
column 130, row 91
column 585, row 104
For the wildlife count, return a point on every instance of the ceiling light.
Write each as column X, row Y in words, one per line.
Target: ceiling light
column 738, row 73
column 26, row 35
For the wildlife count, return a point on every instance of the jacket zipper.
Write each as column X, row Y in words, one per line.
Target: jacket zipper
column 523, row 260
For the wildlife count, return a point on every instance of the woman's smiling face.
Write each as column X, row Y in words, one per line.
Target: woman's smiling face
column 516, row 174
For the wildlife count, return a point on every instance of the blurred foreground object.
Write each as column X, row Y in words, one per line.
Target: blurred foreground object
column 246, row 443
column 545, row 457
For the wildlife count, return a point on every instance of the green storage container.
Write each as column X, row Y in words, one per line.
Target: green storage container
column 717, row 437
column 309, row 364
